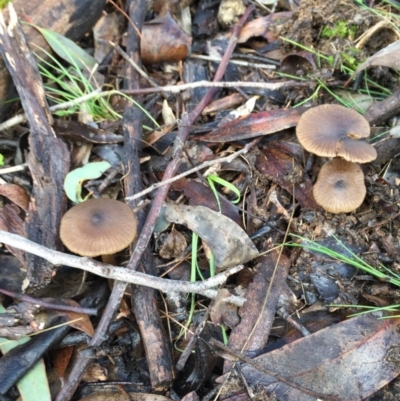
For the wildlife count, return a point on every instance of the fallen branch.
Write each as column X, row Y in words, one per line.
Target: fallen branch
column 117, row 272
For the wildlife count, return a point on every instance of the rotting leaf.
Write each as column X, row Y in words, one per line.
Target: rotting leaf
column 223, row 312
column 173, row 245
column 79, row 321
column 389, row 56
column 74, row 179
column 201, row 195
column 348, row 361
column 264, row 26
column 15, row 194
column 288, row 174
column 229, row 243
column 257, row 124
column 11, row 221
column 163, row 40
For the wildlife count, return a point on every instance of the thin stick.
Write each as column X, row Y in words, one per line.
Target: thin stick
column 14, row 169
column 208, row 163
column 116, row 272
column 237, row 62
column 134, row 65
column 20, row 118
column 48, row 305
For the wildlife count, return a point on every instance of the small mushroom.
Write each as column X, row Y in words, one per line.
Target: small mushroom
column 332, row 130
column 98, row 227
column 340, row 186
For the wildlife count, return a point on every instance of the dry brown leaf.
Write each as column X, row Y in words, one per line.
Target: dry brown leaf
column 163, row 40
column 229, row 243
column 173, row 245
column 389, row 56
column 257, row 124
column 15, row 194
column 348, row 361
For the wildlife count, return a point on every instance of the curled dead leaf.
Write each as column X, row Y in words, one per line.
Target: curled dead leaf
column 229, row 243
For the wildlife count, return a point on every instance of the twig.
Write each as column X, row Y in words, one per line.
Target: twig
column 116, row 272
column 134, row 65
column 207, row 84
column 208, row 163
column 20, row 118
column 237, row 62
column 49, row 305
column 14, row 169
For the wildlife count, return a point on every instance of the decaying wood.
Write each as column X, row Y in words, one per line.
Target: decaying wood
column 381, row 111
column 144, row 300
column 72, row 18
column 48, row 158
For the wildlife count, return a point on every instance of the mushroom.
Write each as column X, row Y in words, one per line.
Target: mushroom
column 340, row 186
column 98, row 227
column 332, row 130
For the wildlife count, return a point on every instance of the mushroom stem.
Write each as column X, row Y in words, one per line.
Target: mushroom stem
column 108, row 259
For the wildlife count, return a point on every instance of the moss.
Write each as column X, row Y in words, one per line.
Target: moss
column 340, row 30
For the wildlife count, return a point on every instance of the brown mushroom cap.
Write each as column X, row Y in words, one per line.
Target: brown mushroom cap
column 98, row 227
column 340, row 186
column 332, row 130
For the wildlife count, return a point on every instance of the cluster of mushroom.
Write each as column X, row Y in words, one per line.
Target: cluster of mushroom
column 98, row 227
column 335, row 131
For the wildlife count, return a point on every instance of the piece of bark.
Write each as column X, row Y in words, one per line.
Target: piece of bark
column 255, row 305
column 380, row 112
column 71, row 18
column 144, row 300
column 48, row 158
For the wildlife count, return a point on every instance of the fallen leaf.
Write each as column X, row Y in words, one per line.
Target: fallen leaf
column 15, row 194
column 294, row 62
column 389, row 56
column 229, row 243
column 288, row 174
column 173, row 245
column 348, row 361
column 223, row 312
column 60, row 359
column 67, row 49
column 10, row 220
column 202, row 195
column 164, row 41
column 257, row 124
column 264, row 26
column 74, row 179
column 79, row 321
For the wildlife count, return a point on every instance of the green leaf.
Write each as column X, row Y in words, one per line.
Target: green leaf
column 34, row 385
column 74, row 179
column 226, row 184
column 1, row 159
column 67, row 49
